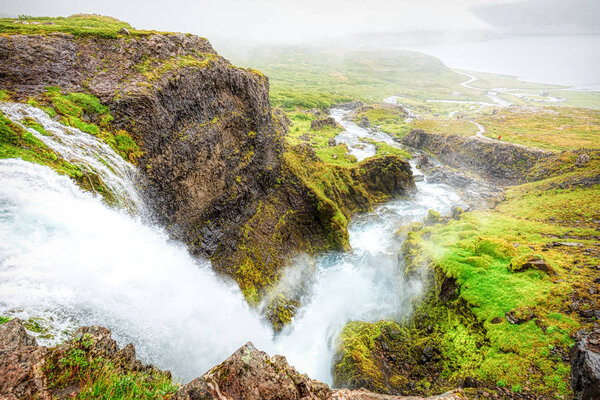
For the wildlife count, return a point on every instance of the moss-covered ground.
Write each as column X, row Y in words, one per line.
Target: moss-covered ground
column 502, row 325
column 78, row 25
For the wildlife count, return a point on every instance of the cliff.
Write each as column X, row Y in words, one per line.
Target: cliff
column 212, row 149
column 503, row 162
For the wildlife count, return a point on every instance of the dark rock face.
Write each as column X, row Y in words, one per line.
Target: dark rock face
column 213, row 147
column 585, row 365
column 323, row 122
column 504, row 162
column 211, row 142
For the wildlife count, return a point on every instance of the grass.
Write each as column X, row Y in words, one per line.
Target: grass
column 309, row 77
column 551, row 128
column 85, row 112
column 99, row 378
column 318, row 139
column 78, row 25
column 16, row 142
column 478, row 250
column 153, row 69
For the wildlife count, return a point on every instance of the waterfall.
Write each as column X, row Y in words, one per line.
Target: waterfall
column 84, row 150
column 68, row 259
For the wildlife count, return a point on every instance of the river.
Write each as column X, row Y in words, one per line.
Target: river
column 68, row 259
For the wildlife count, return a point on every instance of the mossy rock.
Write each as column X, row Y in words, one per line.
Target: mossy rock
column 530, row 261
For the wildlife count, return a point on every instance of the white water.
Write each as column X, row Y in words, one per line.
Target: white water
column 83, row 150
column 353, row 136
column 69, row 259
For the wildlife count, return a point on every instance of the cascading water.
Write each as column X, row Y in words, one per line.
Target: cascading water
column 83, row 150
column 68, row 259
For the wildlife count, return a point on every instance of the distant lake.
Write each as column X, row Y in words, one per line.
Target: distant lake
column 572, row 60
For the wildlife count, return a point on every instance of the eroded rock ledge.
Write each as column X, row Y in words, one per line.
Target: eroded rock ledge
column 503, row 162
column 30, row 371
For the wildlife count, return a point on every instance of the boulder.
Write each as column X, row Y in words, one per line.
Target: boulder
column 585, row 365
column 364, row 122
column 519, row 315
column 21, row 362
column 527, row 261
column 124, row 31
column 250, row 374
column 323, row 122
column 331, row 142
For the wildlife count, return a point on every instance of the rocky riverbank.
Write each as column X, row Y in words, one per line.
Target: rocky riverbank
column 92, row 362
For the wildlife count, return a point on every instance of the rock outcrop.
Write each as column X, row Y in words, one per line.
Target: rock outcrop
column 30, row 371
column 250, row 374
column 585, row 365
column 504, row 162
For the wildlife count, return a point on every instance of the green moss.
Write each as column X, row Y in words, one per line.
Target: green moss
column 86, row 113
column 16, row 142
column 78, row 25
column 4, row 320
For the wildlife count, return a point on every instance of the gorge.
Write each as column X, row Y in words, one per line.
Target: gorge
column 153, row 191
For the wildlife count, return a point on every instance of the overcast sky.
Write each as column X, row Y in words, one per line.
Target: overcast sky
column 275, row 20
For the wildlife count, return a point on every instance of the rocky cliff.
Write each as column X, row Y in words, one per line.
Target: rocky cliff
column 212, row 149
column 503, row 162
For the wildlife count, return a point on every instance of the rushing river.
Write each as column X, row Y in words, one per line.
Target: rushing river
column 68, row 259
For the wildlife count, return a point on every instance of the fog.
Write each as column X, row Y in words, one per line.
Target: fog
column 287, row 21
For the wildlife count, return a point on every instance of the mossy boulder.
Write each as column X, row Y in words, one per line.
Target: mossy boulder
column 530, row 261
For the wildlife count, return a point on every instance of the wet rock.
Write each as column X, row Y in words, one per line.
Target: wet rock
column 21, row 362
column 25, row 366
column 424, row 163
column 352, row 105
column 456, row 212
column 582, row 160
column 364, row 122
column 585, row 365
column 323, row 122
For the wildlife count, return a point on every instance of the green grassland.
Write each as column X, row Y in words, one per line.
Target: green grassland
column 550, row 128
column 318, row 77
column 77, row 25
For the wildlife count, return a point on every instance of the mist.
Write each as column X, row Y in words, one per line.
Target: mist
column 305, row 22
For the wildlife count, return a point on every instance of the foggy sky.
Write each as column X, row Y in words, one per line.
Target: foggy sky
column 274, row 20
